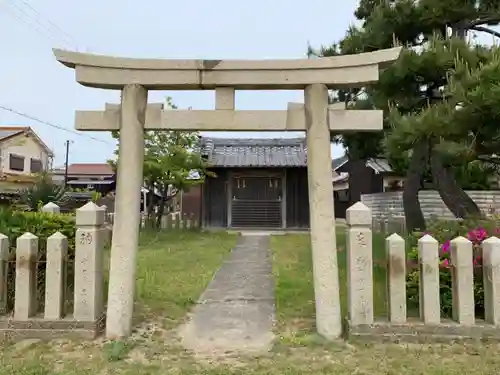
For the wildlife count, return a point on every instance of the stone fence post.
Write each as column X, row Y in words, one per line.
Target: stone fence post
column 55, row 276
column 359, row 264
column 25, row 305
column 462, row 281
column 51, row 208
column 491, row 279
column 428, row 255
column 396, row 278
column 89, row 267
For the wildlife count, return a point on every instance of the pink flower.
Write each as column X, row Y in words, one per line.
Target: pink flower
column 477, row 235
column 445, row 247
column 446, row 263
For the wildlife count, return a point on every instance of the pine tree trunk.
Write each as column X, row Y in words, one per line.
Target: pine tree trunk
column 414, row 217
column 452, row 194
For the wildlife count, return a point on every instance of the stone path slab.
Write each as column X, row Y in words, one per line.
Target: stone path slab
column 236, row 311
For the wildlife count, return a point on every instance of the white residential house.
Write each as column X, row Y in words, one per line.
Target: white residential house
column 22, row 155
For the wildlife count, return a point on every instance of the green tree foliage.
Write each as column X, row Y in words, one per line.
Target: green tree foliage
column 413, row 85
column 43, row 191
column 170, row 159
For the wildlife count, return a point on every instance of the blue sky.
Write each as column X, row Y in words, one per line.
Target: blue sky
column 32, row 82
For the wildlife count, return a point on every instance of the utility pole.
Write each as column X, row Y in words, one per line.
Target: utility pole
column 66, row 165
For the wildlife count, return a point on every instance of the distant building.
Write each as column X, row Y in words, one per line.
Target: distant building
column 259, row 183
column 22, row 155
column 89, row 176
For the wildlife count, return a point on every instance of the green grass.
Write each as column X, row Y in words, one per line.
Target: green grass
column 292, row 268
column 175, row 267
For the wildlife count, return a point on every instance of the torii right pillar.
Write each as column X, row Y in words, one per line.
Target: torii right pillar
column 322, row 216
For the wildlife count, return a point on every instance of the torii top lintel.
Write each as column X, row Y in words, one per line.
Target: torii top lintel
column 110, row 72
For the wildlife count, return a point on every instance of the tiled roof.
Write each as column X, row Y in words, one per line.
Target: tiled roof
column 255, row 152
column 88, row 169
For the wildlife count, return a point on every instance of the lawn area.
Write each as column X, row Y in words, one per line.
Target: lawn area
column 292, row 267
column 174, row 268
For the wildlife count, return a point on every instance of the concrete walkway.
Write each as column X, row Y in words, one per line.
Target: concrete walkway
column 236, row 311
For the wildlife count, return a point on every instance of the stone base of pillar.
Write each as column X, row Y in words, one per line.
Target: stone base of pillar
column 39, row 328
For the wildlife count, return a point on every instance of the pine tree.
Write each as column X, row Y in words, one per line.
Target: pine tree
column 413, row 85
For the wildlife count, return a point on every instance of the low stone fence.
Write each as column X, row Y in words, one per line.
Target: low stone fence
column 169, row 221
column 430, row 326
column 86, row 317
column 391, row 203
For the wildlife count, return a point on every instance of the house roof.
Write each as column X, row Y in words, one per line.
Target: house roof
column 379, row 165
column 338, row 162
column 255, row 152
column 87, row 169
column 7, row 132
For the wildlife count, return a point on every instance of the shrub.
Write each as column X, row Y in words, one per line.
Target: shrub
column 15, row 223
column 444, row 231
column 43, row 191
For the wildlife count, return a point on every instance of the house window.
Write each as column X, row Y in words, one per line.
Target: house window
column 16, row 163
column 36, row 165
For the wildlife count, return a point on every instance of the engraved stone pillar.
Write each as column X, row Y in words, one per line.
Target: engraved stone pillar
column 429, row 280
column 109, row 233
column 491, row 277
column 127, row 212
column 324, row 247
column 55, row 276
column 25, row 304
column 462, row 281
column 359, row 265
column 4, row 268
column 89, row 263
column 51, row 208
column 396, row 278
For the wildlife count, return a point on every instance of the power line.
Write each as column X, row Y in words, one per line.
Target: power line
column 54, row 25
column 39, row 26
column 37, row 29
column 53, row 125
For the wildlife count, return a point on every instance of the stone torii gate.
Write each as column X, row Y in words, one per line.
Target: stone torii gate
column 134, row 77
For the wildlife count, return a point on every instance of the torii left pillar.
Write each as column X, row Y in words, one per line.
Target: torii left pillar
column 127, row 205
